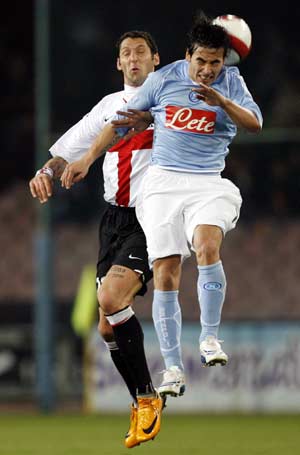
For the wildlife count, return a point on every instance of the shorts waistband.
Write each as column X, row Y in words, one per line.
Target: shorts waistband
column 120, row 208
column 186, row 171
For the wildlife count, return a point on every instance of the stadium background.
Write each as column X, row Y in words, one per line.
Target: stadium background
column 261, row 256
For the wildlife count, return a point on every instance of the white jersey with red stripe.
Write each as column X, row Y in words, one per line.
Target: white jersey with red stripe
column 124, row 164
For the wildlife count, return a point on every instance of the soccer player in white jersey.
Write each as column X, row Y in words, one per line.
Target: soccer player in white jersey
column 123, row 260
column 197, row 105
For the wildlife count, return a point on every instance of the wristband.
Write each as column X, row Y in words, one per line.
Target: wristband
column 45, row 170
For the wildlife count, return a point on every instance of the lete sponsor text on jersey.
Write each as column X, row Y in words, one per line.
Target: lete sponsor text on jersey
column 192, row 120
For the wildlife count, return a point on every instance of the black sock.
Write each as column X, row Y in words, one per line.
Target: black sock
column 124, row 371
column 130, row 340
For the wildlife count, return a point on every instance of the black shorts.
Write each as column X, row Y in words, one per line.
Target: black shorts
column 122, row 242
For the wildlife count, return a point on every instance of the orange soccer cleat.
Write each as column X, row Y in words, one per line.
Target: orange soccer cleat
column 130, row 438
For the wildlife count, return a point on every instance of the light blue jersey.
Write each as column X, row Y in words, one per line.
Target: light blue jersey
column 189, row 134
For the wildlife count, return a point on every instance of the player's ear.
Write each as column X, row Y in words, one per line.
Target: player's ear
column 156, row 59
column 187, row 56
column 119, row 67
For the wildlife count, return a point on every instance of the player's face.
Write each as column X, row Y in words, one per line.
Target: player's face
column 205, row 64
column 136, row 61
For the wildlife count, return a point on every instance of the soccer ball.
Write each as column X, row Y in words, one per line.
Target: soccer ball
column 240, row 37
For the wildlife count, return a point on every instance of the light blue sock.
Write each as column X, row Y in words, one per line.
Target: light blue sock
column 211, row 294
column 166, row 315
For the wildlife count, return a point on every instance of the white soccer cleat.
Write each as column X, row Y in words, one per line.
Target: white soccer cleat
column 173, row 382
column 212, row 353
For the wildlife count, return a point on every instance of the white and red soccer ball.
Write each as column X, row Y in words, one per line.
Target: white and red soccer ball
column 240, row 37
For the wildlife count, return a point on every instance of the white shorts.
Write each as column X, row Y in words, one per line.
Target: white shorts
column 171, row 204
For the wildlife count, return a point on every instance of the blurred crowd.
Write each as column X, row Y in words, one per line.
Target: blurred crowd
column 88, row 35
column 261, row 265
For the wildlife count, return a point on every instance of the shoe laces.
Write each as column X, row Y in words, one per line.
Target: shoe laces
column 144, row 402
column 172, row 375
column 212, row 340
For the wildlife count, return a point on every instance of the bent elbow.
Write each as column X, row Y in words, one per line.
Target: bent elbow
column 255, row 128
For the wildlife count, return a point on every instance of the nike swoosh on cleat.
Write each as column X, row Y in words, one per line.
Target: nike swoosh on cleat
column 149, row 429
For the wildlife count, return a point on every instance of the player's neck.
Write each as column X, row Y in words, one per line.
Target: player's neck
column 129, row 89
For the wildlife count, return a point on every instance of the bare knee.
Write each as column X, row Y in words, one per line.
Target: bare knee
column 167, row 272
column 118, row 289
column 109, row 301
column 207, row 251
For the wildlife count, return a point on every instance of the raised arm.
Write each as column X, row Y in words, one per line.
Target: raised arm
column 241, row 116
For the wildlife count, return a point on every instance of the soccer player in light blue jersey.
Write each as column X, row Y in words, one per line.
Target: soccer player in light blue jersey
column 184, row 203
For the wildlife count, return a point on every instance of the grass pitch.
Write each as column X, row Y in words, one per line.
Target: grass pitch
column 185, row 434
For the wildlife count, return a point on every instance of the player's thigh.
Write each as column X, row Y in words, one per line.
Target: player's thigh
column 217, row 204
column 160, row 212
column 133, row 255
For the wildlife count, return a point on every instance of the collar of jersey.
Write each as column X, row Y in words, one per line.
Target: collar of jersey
column 129, row 91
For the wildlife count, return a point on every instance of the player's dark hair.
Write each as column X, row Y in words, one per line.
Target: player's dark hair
column 138, row 34
column 207, row 34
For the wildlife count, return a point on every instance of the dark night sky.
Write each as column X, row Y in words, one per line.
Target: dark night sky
column 83, row 61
